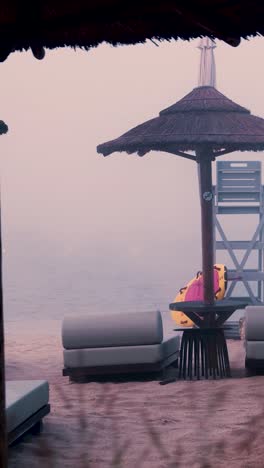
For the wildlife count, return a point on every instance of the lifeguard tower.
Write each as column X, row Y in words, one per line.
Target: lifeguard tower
column 239, row 194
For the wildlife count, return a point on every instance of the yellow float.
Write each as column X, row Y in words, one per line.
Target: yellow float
column 193, row 291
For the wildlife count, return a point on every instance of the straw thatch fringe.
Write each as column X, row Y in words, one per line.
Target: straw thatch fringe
column 86, row 23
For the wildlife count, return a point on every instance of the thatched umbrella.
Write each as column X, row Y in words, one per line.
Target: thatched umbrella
column 208, row 124
column 37, row 24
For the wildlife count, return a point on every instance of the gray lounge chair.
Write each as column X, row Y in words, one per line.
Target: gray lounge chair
column 254, row 337
column 117, row 343
column 27, row 402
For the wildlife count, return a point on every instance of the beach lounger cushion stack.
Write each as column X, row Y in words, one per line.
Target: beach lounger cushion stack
column 117, row 343
column 27, row 402
column 254, row 337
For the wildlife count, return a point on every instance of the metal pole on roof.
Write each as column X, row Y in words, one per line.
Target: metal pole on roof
column 207, row 71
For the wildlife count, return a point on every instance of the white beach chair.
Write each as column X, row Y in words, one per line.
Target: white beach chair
column 254, row 337
column 27, row 402
column 117, row 343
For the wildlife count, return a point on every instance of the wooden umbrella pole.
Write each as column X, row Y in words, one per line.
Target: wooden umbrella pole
column 3, row 434
column 207, row 199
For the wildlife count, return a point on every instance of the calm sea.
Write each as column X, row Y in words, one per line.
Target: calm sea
column 46, row 287
column 50, row 290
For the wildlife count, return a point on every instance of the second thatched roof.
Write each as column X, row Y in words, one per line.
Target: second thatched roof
column 204, row 117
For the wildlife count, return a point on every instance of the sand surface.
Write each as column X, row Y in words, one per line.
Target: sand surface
column 134, row 424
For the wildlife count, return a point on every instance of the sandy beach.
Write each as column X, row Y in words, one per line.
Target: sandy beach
column 136, row 423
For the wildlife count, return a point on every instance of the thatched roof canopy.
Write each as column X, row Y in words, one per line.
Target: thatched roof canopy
column 86, row 23
column 204, row 117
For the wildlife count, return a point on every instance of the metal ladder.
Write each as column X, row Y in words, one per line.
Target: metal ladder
column 238, row 192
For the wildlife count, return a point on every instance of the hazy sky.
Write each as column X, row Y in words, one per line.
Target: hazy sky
column 64, row 197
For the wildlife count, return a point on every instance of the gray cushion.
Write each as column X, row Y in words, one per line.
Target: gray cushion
column 23, row 399
column 255, row 350
column 145, row 354
column 123, row 329
column 254, row 323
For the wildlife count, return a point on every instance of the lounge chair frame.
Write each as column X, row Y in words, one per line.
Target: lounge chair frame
column 77, row 372
column 28, row 424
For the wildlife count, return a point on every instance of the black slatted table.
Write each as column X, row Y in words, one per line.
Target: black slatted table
column 204, row 351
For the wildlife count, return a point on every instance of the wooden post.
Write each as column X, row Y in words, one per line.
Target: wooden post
column 206, row 190
column 3, row 434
